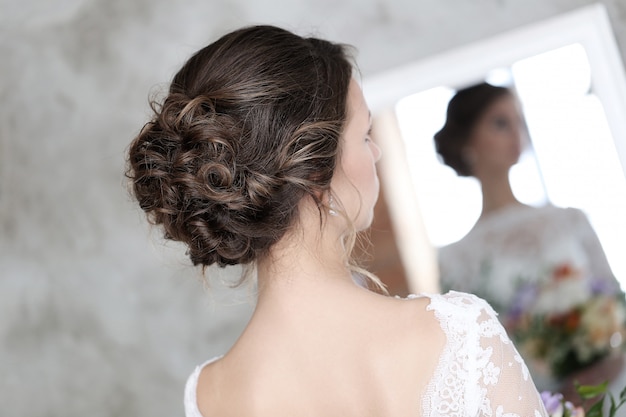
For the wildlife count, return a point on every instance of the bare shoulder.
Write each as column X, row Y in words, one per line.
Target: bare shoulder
column 418, row 328
column 415, row 311
column 414, row 342
column 210, row 389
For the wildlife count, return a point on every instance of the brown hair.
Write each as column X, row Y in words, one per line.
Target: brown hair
column 250, row 125
column 465, row 110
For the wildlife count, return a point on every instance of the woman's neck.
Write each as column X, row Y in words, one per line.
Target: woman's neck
column 497, row 193
column 306, row 260
column 303, row 297
column 305, row 279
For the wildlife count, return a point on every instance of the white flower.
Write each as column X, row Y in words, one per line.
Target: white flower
column 491, row 374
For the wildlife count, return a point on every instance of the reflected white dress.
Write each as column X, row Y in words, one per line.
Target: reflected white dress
column 518, row 245
column 479, row 373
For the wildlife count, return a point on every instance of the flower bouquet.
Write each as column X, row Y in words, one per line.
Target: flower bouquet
column 566, row 322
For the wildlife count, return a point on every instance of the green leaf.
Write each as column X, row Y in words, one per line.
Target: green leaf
column 591, row 391
column 595, row 410
column 614, row 407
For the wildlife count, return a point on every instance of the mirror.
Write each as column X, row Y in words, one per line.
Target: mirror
column 409, row 104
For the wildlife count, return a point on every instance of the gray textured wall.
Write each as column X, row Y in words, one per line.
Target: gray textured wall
column 97, row 316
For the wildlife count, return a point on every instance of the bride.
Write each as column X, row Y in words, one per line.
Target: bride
column 261, row 155
column 547, row 260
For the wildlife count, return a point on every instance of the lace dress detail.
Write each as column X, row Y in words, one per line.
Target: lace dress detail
column 520, row 247
column 521, row 243
column 478, row 374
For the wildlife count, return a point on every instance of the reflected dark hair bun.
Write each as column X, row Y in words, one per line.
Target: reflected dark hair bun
column 464, row 111
column 250, row 125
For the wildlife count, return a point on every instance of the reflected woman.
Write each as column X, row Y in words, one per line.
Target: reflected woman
column 528, row 262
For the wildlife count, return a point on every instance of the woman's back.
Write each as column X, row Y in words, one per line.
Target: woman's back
column 404, row 357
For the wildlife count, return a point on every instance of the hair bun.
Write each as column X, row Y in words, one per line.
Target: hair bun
column 236, row 143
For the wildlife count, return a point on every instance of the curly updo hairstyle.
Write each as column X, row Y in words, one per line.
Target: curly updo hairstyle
column 465, row 109
column 250, row 125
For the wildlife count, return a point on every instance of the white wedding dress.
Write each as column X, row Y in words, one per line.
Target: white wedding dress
column 479, row 373
column 519, row 245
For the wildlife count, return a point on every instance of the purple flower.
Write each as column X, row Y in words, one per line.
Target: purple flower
column 602, row 286
column 523, row 299
column 552, row 401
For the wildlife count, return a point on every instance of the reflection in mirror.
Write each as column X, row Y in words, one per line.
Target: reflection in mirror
column 574, row 111
column 571, row 160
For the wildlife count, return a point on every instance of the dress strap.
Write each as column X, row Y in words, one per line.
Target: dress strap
column 191, row 387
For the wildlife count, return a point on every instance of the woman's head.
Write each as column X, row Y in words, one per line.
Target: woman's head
column 250, row 126
column 483, row 127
